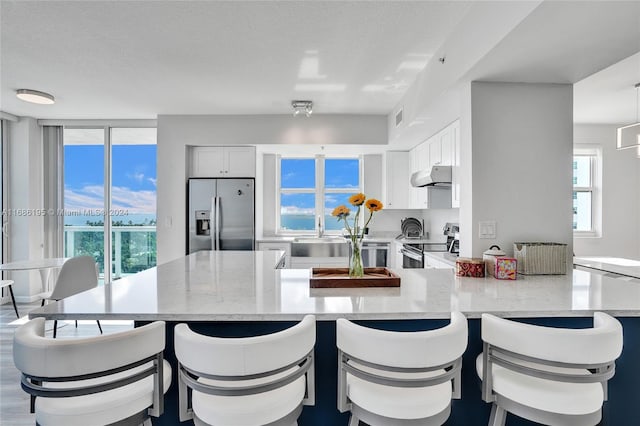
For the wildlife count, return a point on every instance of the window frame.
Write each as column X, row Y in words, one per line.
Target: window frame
column 595, row 189
column 319, row 191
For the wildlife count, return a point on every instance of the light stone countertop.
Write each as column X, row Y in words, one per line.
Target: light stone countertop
column 244, row 286
column 616, row 265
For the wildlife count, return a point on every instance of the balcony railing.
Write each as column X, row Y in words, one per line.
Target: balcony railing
column 133, row 248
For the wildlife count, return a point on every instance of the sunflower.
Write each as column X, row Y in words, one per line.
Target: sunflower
column 357, row 199
column 374, row 205
column 341, row 211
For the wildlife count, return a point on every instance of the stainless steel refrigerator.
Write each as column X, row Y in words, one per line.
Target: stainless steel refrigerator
column 221, row 214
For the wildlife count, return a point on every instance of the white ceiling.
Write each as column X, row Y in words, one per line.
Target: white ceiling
column 108, row 60
column 140, row 59
column 609, row 96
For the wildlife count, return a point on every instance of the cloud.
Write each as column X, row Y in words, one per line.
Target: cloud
column 122, row 198
column 88, row 197
column 297, row 210
column 137, row 176
column 152, row 180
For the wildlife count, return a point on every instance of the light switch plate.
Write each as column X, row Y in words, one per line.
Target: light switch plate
column 487, row 229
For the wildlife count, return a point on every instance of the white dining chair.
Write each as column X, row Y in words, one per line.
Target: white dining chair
column 78, row 274
column 399, row 378
column 250, row 381
column 117, row 378
column 548, row 375
column 9, row 284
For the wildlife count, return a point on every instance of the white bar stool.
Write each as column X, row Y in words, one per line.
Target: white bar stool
column 389, row 378
column 553, row 376
column 261, row 380
column 9, row 283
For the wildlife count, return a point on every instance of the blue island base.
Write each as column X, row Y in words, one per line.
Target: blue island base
column 623, row 407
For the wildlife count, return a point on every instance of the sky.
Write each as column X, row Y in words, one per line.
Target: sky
column 300, row 173
column 133, row 178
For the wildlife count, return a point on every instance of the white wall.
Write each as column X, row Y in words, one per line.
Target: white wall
column 388, row 222
column 620, row 196
column 177, row 132
column 521, row 144
column 428, row 103
column 26, row 234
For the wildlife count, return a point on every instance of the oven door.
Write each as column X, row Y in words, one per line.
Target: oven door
column 411, row 258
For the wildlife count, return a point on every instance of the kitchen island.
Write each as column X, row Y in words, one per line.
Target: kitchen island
column 613, row 265
column 242, row 293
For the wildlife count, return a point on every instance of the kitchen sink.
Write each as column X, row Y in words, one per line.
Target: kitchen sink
column 319, row 247
column 318, row 240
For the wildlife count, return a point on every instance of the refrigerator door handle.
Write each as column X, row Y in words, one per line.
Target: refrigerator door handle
column 217, row 233
column 212, row 224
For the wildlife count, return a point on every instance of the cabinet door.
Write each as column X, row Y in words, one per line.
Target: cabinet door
column 416, row 162
column 455, row 169
column 207, row 161
column 240, row 161
column 286, row 247
column 396, row 249
column 435, row 151
column 397, row 180
column 446, row 146
column 424, row 154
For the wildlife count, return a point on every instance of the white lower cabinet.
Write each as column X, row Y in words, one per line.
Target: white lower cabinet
column 286, row 247
column 395, row 257
column 432, row 262
column 319, row 262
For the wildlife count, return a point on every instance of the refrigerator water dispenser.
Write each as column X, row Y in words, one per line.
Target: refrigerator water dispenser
column 203, row 222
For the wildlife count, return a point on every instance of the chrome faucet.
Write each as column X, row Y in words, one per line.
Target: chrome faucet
column 320, row 230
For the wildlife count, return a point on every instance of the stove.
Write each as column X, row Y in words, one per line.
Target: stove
column 413, row 251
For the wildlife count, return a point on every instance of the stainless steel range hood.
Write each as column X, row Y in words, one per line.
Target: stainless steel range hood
column 437, row 176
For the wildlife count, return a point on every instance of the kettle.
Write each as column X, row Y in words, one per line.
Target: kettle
column 490, row 256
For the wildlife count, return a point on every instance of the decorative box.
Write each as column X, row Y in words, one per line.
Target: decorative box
column 470, row 267
column 505, row 268
column 541, row 258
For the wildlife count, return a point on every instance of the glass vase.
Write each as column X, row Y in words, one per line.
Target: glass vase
column 355, row 259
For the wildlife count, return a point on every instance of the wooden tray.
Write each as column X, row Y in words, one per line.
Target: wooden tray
column 339, row 278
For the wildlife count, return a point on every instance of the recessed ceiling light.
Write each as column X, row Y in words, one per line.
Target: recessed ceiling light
column 35, row 97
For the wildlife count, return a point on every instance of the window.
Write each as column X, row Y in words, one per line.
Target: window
column 310, row 188
column 110, row 197
column 586, row 194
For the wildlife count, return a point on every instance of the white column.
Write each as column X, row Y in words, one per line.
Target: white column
column 516, row 153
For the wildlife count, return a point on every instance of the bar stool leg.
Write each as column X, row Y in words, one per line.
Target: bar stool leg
column 498, row 416
column 13, row 300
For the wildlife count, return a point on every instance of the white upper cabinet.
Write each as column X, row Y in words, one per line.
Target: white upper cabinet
column 397, row 180
column 455, row 162
column 440, row 149
column 435, row 150
column 421, row 160
column 446, row 147
column 223, row 161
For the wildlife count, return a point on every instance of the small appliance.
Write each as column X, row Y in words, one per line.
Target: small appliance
column 452, row 231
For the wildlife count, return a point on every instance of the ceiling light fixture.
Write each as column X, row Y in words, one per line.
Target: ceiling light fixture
column 35, row 96
column 305, row 107
column 629, row 136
